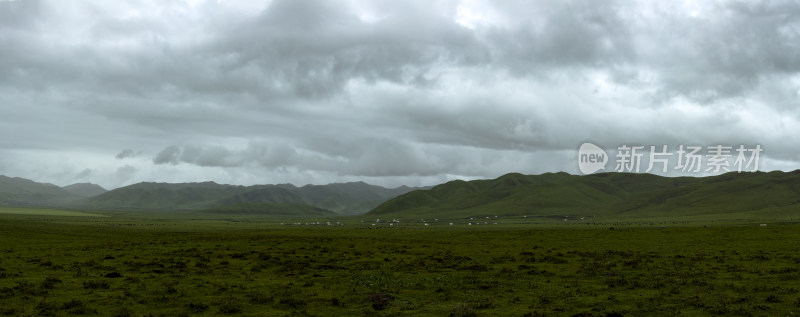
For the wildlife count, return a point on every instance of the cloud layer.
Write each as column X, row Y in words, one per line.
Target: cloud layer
column 410, row 92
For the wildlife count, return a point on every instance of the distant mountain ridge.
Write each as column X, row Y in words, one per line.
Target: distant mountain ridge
column 342, row 198
column 85, row 189
column 621, row 195
column 21, row 191
column 608, row 194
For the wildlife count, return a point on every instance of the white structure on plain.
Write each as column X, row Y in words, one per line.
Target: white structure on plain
column 451, row 223
column 763, row 225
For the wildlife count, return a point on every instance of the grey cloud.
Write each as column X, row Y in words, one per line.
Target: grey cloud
column 364, row 157
column 312, row 48
column 126, row 153
column 273, row 155
column 169, row 155
column 561, row 34
column 84, row 173
column 19, row 14
column 734, row 47
column 205, row 156
column 125, row 174
column 743, row 45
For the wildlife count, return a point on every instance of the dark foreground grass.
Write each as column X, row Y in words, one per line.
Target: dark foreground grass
column 58, row 269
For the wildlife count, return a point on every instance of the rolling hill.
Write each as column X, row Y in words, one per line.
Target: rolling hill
column 162, row 196
column 85, row 189
column 17, row 191
column 342, row 198
column 609, row 194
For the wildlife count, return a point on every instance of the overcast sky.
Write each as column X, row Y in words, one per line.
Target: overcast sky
column 388, row 92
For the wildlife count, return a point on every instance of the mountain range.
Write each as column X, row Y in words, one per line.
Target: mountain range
column 621, row 195
column 281, row 199
column 341, row 198
column 21, row 191
column 85, row 189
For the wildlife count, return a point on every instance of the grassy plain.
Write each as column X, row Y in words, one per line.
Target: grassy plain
column 47, row 212
column 186, row 264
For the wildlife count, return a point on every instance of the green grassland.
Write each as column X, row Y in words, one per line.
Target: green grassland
column 192, row 264
column 47, row 212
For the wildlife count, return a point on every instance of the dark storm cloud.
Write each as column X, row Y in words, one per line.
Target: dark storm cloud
column 320, row 91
